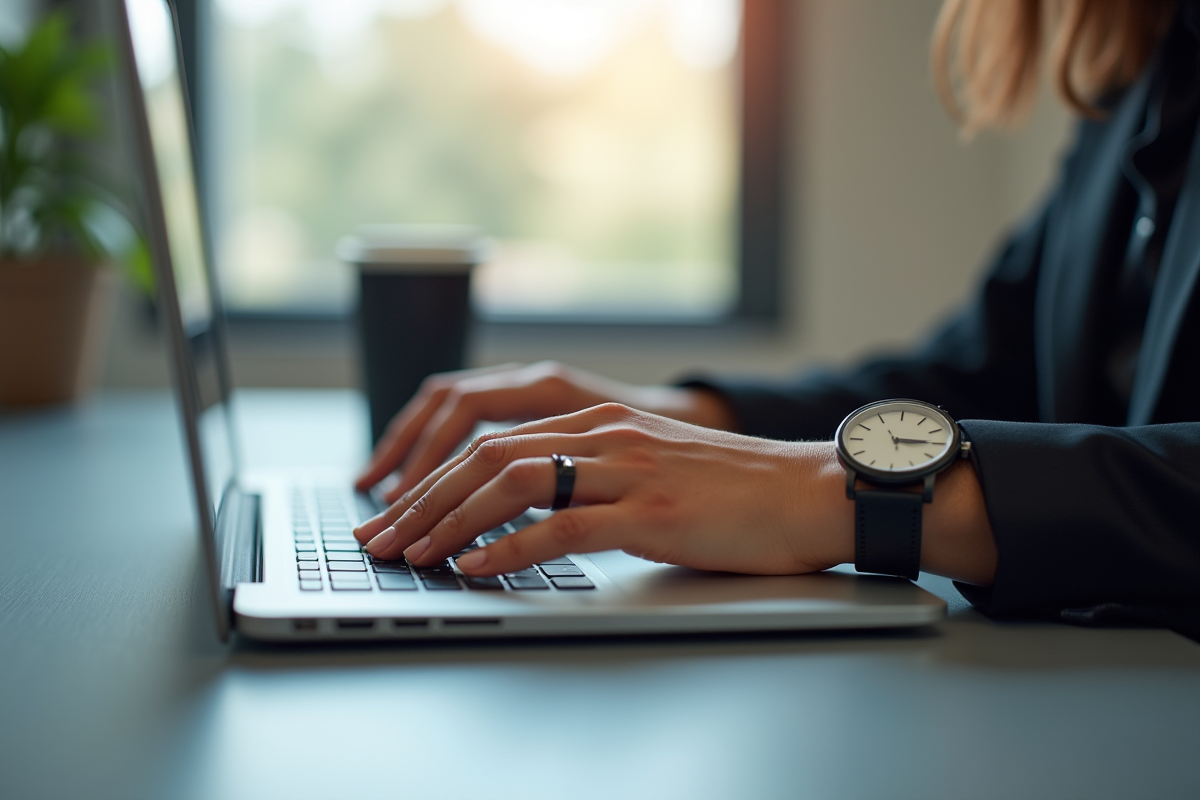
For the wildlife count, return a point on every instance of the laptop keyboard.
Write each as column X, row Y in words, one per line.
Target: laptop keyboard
column 329, row 557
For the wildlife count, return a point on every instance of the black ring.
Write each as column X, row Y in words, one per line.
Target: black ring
column 564, row 485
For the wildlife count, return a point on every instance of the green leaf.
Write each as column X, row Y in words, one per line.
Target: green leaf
column 50, row 188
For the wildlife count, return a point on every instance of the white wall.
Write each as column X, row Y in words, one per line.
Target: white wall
column 890, row 220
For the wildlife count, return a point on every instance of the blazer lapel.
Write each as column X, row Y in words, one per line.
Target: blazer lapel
column 1173, row 289
column 1065, row 313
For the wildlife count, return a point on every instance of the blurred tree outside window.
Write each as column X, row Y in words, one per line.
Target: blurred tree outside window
column 595, row 140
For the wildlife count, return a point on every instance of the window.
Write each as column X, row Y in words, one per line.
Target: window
column 601, row 143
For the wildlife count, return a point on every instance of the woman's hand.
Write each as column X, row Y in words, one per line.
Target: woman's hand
column 448, row 406
column 654, row 487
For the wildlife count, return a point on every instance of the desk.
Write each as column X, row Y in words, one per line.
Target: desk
column 112, row 684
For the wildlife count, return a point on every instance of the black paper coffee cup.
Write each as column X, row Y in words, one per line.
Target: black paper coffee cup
column 414, row 310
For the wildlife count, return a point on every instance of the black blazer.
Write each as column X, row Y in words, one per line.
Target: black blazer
column 1093, row 523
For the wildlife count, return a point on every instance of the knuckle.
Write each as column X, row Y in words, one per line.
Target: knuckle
column 660, row 508
column 453, row 522
column 493, row 452
column 434, row 384
column 477, row 443
column 520, row 477
column 568, row 530
column 553, row 379
column 549, row 369
column 420, row 508
column 629, row 438
column 613, row 412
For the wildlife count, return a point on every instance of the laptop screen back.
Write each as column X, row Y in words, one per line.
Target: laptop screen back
column 177, row 243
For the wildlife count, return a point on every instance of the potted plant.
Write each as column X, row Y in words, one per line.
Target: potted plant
column 61, row 226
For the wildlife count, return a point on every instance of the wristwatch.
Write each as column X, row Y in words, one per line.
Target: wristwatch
column 894, row 445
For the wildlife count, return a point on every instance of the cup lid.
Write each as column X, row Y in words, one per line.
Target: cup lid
column 403, row 248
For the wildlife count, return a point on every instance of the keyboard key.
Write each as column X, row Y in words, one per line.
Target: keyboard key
column 435, row 572
column 398, row 567
column 524, row 573
column 562, row 571
column 494, row 534
column 346, row 566
column 307, row 556
column 487, row 584
column 335, row 556
column 342, row 547
column 559, row 560
column 522, row 583
column 306, row 566
column 440, row 584
column 306, row 548
column 572, row 583
column 366, row 506
column 393, row 582
column 303, row 540
column 351, row 587
column 310, row 586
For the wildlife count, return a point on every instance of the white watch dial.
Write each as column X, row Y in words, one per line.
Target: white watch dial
column 897, row 437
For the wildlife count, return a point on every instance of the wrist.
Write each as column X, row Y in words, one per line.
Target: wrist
column 820, row 518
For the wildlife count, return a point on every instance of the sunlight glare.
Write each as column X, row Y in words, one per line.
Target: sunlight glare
column 563, row 38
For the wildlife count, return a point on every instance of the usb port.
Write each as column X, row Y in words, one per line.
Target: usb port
column 477, row 622
column 410, row 623
column 306, row 625
column 355, row 624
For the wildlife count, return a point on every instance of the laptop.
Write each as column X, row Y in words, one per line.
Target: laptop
column 281, row 561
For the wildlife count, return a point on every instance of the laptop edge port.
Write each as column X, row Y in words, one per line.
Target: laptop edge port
column 355, row 624
column 472, row 622
column 406, row 624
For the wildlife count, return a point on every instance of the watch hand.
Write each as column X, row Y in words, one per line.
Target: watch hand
column 910, row 441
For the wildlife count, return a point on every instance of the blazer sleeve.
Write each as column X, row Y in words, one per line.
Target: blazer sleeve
column 1093, row 524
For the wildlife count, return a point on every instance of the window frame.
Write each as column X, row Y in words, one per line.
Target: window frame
column 761, row 196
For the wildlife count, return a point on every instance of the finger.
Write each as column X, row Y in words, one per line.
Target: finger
column 580, row 424
column 458, row 416
column 523, row 483
column 586, row 529
column 372, row 527
column 399, row 437
column 448, row 427
column 407, row 425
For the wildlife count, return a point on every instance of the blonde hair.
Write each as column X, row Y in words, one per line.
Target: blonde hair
column 987, row 54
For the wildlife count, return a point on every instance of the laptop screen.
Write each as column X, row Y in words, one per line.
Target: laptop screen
column 201, row 374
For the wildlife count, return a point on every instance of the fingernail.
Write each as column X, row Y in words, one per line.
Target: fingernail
column 381, row 542
column 472, row 560
column 417, row 548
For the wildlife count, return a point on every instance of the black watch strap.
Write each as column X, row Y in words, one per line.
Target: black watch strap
column 887, row 532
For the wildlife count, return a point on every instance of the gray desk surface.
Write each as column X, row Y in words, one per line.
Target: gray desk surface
column 112, row 685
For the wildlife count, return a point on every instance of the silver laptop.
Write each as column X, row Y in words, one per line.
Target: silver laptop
column 281, row 561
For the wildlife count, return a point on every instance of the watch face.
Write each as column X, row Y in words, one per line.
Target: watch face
column 898, row 439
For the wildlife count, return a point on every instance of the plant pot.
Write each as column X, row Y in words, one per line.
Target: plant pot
column 54, row 313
